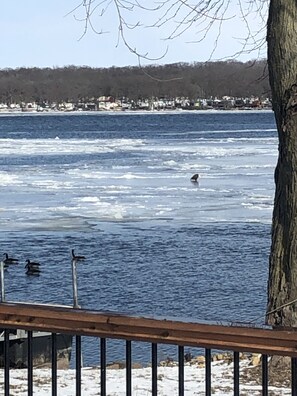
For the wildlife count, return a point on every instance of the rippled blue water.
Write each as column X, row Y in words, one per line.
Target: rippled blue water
column 117, row 189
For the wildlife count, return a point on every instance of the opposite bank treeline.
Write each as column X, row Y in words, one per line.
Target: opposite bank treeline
column 73, row 84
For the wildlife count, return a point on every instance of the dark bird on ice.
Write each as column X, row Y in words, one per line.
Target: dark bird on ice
column 195, row 177
column 9, row 260
column 77, row 258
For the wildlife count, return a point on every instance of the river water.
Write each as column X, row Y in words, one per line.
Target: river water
column 116, row 188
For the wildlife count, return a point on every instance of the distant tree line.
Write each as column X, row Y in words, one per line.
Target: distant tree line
column 195, row 80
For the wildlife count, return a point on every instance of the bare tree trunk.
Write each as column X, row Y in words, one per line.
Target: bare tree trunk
column 282, row 63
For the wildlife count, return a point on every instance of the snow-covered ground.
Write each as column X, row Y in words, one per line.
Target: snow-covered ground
column 222, row 382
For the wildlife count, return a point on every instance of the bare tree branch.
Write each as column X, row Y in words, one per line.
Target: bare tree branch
column 173, row 18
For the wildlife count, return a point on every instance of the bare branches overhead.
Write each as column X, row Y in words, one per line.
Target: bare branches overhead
column 172, row 19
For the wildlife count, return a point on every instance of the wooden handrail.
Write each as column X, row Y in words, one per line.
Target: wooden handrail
column 59, row 319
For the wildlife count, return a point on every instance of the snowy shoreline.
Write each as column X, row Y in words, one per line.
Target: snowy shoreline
column 194, row 381
column 131, row 112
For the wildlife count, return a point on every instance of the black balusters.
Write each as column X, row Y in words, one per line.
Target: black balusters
column 294, row 376
column 103, row 366
column 207, row 372
column 154, row 369
column 129, row 388
column 30, row 362
column 181, row 371
column 264, row 375
column 6, row 362
column 54, row 364
column 236, row 373
column 78, row 364
column 128, row 368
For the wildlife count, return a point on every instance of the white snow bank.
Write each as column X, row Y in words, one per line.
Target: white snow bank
column 222, row 381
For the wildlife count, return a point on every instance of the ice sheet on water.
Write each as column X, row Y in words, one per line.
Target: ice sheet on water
column 112, row 178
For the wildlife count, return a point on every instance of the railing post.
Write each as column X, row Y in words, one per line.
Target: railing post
column 154, row 369
column 207, row 372
column 6, row 362
column 74, row 284
column 128, row 368
column 103, row 366
column 264, row 375
column 30, row 363
column 236, row 373
column 54, row 364
column 78, row 365
column 181, row 371
column 294, row 376
column 2, row 281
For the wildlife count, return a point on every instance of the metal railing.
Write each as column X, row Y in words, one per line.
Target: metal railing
column 79, row 322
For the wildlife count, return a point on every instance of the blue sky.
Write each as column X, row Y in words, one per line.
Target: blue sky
column 40, row 34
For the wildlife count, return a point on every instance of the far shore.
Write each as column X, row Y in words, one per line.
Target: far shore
column 123, row 112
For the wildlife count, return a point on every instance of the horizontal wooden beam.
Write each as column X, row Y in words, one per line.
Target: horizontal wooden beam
column 59, row 319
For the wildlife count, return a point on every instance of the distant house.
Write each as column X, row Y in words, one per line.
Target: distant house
column 66, row 106
column 3, row 107
column 107, row 103
column 239, row 103
column 256, row 103
column 32, row 106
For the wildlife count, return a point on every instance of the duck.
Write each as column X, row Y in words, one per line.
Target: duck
column 195, row 177
column 33, row 271
column 9, row 260
column 31, row 264
column 77, row 258
column 32, row 268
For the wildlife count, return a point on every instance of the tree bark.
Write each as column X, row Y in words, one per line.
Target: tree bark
column 282, row 64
